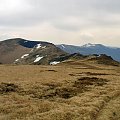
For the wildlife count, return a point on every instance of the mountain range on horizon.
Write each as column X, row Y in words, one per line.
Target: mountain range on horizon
column 21, row 51
column 89, row 49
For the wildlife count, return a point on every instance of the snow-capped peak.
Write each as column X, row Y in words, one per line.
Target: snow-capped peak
column 63, row 46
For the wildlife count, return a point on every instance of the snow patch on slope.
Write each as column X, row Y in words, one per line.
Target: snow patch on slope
column 63, row 46
column 24, row 56
column 25, row 41
column 16, row 60
column 54, row 63
column 44, row 47
column 38, row 46
column 38, row 58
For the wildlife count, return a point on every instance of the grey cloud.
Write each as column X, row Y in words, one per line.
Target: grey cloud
column 67, row 17
column 51, row 10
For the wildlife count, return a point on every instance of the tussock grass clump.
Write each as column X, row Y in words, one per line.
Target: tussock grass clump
column 8, row 87
column 53, row 91
column 91, row 81
column 66, row 92
column 90, row 73
column 51, row 70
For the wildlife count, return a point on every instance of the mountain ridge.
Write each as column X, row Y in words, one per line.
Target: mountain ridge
column 22, row 51
column 12, row 50
column 88, row 49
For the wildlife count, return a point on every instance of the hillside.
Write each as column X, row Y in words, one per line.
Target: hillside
column 101, row 59
column 17, row 49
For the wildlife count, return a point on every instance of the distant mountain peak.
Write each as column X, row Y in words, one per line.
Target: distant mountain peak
column 89, row 45
column 63, row 46
column 89, row 49
column 92, row 45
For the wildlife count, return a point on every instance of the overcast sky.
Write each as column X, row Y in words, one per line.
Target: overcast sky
column 62, row 21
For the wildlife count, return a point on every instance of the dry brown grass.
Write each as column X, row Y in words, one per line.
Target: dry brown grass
column 64, row 92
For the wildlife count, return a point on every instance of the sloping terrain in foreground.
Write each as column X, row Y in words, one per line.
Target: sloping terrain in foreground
column 76, row 90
